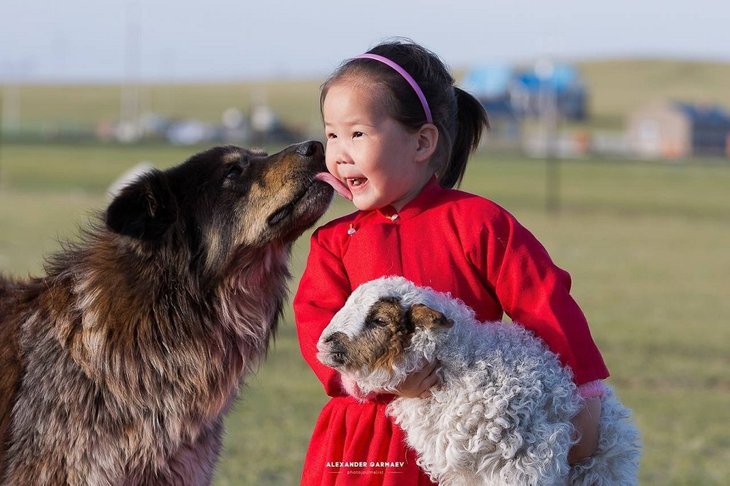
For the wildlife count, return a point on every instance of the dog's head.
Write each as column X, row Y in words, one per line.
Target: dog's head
column 223, row 200
column 387, row 329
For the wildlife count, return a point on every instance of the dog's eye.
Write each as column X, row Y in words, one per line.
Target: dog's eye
column 234, row 171
column 379, row 322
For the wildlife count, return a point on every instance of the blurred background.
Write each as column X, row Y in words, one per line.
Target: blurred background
column 610, row 141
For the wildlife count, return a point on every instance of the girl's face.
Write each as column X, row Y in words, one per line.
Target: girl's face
column 379, row 159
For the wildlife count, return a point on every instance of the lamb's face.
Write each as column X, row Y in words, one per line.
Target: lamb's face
column 382, row 341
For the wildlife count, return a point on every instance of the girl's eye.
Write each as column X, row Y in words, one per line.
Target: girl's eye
column 331, row 136
column 357, row 134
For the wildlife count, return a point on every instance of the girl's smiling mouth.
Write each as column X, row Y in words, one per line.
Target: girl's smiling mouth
column 356, row 181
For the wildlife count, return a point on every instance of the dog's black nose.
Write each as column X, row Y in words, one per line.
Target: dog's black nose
column 310, row 149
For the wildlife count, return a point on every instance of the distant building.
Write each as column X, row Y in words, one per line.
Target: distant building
column 491, row 85
column 677, row 130
column 505, row 91
column 558, row 83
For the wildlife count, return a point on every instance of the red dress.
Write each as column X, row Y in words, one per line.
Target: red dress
column 453, row 242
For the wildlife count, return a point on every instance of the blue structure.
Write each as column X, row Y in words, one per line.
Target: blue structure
column 520, row 93
column 491, row 86
column 709, row 128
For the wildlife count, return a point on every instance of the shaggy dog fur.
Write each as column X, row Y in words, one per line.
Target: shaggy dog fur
column 118, row 365
column 503, row 414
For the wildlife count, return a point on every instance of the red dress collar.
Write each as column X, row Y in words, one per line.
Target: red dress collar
column 417, row 205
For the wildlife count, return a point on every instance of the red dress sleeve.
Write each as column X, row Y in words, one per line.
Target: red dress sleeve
column 322, row 291
column 535, row 293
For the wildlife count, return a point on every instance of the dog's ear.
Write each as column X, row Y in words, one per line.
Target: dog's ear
column 421, row 315
column 145, row 209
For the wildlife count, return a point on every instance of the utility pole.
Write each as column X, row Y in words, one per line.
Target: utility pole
column 2, row 97
column 14, row 75
column 550, row 117
column 9, row 111
column 130, row 100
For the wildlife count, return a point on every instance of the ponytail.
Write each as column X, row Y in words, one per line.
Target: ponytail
column 471, row 119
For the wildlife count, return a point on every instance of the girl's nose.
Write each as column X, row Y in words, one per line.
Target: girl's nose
column 336, row 152
column 341, row 157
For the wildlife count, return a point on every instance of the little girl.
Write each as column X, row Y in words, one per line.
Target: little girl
column 398, row 137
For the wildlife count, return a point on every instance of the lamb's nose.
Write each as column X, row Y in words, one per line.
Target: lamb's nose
column 337, row 336
column 310, row 149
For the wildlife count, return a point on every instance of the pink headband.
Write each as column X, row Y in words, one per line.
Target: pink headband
column 406, row 76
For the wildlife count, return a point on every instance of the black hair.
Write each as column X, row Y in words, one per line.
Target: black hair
column 458, row 116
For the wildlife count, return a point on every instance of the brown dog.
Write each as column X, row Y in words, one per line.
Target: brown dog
column 118, row 366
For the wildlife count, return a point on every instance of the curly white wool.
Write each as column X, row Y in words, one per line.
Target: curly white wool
column 503, row 414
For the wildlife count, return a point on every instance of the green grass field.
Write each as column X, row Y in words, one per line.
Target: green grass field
column 648, row 246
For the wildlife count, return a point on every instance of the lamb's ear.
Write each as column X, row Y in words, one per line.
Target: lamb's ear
column 423, row 316
column 145, row 209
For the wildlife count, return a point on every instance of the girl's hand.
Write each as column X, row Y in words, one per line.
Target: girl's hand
column 586, row 426
column 419, row 383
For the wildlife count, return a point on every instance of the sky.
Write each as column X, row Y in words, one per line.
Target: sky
column 227, row 40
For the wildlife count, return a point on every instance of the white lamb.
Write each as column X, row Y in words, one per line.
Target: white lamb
column 503, row 413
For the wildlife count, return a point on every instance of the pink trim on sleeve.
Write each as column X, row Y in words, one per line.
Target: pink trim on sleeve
column 592, row 389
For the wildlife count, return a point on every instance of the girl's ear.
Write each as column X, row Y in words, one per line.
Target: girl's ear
column 428, row 137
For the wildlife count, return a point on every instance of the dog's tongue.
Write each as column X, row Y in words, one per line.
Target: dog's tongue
column 336, row 184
